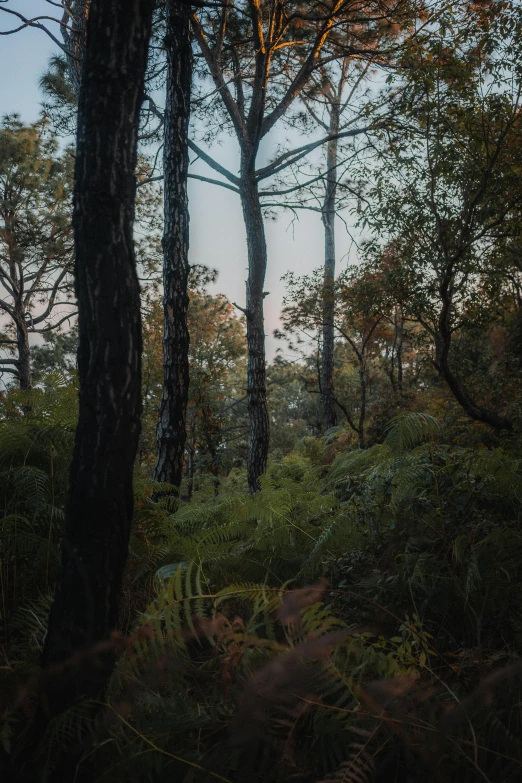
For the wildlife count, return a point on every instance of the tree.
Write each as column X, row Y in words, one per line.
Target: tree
column 454, row 196
column 216, row 357
column 99, row 509
column 35, row 238
column 327, row 102
column 60, row 84
column 260, row 57
column 173, row 406
column 56, row 354
column 360, row 317
column 216, row 360
column 71, row 27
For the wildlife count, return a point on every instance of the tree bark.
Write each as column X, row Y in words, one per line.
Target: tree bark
column 74, row 36
column 400, row 342
column 24, row 354
column 328, row 218
column 443, row 339
column 256, row 369
column 474, row 411
column 362, row 399
column 100, row 506
column 171, row 433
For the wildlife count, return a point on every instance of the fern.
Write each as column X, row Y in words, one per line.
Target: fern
column 358, row 768
column 408, row 430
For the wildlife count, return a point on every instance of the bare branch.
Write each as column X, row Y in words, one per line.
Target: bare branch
column 149, row 180
column 7, row 307
column 52, row 298
column 292, row 156
column 35, row 22
column 213, row 163
column 241, row 309
column 55, row 325
column 211, row 181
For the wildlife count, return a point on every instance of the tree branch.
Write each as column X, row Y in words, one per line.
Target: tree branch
column 237, row 118
column 340, row 404
column 211, row 181
column 52, row 298
column 304, row 72
column 50, row 327
column 213, row 163
column 35, row 22
column 296, row 154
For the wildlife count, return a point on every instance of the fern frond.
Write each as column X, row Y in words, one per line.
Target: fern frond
column 409, row 429
column 358, row 768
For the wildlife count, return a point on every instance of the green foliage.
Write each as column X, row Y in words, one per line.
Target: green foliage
column 219, row 665
column 237, row 666
column 36, row 436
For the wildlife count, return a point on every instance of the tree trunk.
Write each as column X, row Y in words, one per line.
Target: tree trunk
column 474, row 411
column 190, row 463
column 328, row 218
column 24, row 354
column 100, row 506
column 400, row 341
column 74, row 37
column 171, row 432
column 362, row 398
column 256, row 372
column 443, row 339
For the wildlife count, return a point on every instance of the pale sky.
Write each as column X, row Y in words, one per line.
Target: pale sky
column 217, row 232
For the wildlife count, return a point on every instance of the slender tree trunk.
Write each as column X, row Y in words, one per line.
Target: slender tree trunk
column 190, row 464
column 328, row 218
column 362, row 402
column 24, row 354
column 78, row 654
column 256, row 372
column 400, row 342
column 171, row 432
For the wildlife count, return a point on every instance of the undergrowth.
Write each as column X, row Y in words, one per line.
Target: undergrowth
column 358, row 619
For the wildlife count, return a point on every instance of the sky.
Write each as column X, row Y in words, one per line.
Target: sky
column 217, row 234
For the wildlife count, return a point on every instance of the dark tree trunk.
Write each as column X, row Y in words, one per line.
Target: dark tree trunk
column 173, row 408
column 443, row 341
column 400, row 342
column 328, row 218
column 256, row 372
column 459, row 391
column 396, row 351
column 99, row 511
column 24, row 354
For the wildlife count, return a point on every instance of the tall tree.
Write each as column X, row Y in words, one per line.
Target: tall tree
column 173, row 406
column 327, row 102
column 100, row 505
column 361, row 310
column 35, row 239
column 260, row 56
column 217, row 352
